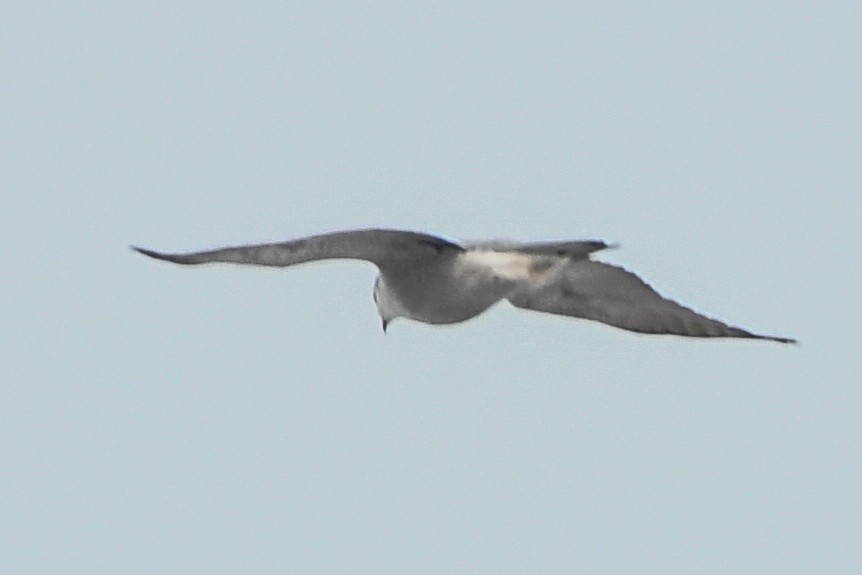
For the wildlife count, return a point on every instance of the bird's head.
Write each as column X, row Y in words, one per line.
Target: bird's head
column 386, row 306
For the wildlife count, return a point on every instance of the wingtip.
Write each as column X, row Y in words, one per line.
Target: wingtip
column 154, row 254
column 784, row 340
column 144, row 251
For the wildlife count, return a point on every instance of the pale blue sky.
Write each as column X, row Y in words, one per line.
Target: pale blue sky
column 234, row 420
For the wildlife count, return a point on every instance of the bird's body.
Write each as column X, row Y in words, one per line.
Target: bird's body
column 472, row 281
column 432, row 280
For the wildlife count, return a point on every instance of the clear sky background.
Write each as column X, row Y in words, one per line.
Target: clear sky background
column 158, row 419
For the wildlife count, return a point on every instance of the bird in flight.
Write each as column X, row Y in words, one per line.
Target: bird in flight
column 432, row 280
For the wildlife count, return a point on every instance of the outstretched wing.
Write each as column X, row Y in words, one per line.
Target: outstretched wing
column 381, row 247
column 612, row 295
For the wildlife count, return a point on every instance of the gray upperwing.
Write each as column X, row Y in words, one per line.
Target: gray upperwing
column 380, row 247
column 573, row 249
column 612, row 295
column 577, row 249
